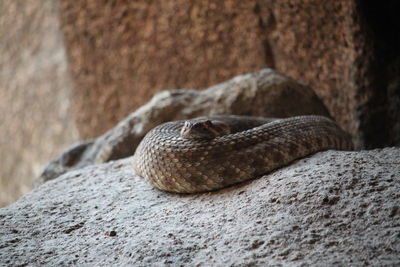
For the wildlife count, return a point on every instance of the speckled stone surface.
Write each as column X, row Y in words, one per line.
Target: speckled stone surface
column 334, row 208
column 120, row 54
column 347, row 51
column 314, row 41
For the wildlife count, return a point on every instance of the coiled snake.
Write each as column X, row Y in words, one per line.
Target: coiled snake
column 210, row 153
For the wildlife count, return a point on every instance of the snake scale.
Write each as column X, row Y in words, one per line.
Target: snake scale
column 213, row 152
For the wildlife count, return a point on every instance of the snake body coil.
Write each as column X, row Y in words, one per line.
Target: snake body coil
column 254, row 146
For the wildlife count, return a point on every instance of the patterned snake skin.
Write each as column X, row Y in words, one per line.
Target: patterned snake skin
column 174, row 157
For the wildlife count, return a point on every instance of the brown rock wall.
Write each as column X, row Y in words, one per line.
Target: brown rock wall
column 122, row 53
column 347, row 51
column 314, row 42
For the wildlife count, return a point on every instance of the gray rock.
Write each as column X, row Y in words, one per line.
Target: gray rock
column 266, row 93
column 65, row 162
column 334, row 208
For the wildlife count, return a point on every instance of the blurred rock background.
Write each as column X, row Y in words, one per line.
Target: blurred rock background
column 86, row 64
column 35, row 93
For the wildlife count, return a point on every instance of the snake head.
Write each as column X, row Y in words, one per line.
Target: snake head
column 204, row 129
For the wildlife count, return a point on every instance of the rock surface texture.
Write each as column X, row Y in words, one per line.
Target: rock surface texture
column 121, row 54
column 334, row 208
column 264, row 93
column 33, row 81
column 347, row 50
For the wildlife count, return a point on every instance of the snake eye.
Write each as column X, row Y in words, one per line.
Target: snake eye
column 208, row 123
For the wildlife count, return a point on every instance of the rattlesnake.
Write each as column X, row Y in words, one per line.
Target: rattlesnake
column 213, row 152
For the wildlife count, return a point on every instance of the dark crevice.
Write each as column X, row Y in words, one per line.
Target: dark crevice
column 380, row 118
column 266, row 23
